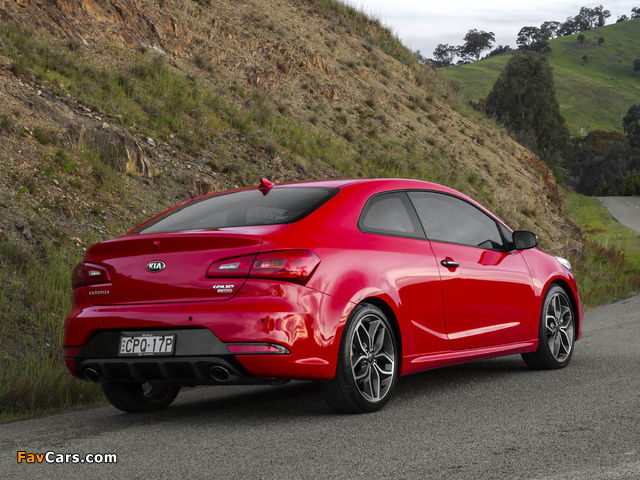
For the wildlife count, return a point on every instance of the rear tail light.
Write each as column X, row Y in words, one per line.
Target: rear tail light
column 290, row 265
column 231, row 267
column 89, row 274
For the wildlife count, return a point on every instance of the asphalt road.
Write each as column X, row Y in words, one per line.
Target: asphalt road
column 624, row 209
column 488, row 419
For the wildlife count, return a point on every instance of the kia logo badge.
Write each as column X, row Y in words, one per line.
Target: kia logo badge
column 155, row 266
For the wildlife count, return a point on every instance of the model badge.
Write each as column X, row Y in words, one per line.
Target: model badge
column 155, row 266
column 223, row 288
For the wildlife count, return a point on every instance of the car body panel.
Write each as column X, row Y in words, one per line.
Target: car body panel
column 488, row 298
column 290, row 315
column 546, row 270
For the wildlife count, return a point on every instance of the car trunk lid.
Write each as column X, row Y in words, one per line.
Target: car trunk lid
column 171, row 267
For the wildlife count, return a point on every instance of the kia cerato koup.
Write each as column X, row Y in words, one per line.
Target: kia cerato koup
column 350, row 283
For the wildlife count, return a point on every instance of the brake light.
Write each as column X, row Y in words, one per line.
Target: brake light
column 293, row 265
column 290, row 265
column 89, row 274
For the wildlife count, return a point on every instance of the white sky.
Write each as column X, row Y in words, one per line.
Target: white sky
column 423, row 24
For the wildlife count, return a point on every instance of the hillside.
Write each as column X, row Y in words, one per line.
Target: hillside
column 113, row 111
column 594, row 94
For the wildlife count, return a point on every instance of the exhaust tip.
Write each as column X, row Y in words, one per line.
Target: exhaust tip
column 92, row 375
column 219, row 373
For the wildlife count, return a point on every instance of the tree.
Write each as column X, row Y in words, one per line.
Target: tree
column 534, row 39
column 590, row 18
column 603, row 190
column 581, row 39
column 601, row 16
column 635, row 12
column 622, row 18
column 599, row 158
column 498, row 50
column 523, row 99
column 550, row 29
column 443, row 55
column 631, row 184
column 631, row 125
column 569, row 27
column 476, row 42
column 600, row 41
column 587, row 19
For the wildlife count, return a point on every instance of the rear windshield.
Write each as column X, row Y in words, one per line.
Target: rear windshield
column 241, row 209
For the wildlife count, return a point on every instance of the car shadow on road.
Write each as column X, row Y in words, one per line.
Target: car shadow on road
column 302, row 399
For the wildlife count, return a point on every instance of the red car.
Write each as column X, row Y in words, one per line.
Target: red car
column 352, row 283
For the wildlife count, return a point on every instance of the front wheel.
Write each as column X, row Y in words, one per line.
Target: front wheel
column 138, row 397
column 556, row 335
column 367, row 367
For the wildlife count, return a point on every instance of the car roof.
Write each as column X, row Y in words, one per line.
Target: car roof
column 382, row 183
column 375, row 185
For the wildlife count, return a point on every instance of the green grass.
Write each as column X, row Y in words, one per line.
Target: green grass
column 34, row 299
column 593, row 95
column 609, row 270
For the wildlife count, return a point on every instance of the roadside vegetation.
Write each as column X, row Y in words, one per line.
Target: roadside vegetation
column 35, row 296
column 609, row 269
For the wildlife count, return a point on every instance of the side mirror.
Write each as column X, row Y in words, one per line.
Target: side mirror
column 522, row 239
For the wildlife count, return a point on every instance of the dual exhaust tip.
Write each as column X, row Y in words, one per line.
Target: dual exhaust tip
column 91, row 375
column 217, row 372
column 221, row 374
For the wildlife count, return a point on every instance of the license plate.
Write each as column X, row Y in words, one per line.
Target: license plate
column 146, row 344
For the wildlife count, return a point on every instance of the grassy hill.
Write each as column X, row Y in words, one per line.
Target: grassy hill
column 594, row 93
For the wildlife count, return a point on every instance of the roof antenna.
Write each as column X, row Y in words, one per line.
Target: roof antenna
column 265, row 185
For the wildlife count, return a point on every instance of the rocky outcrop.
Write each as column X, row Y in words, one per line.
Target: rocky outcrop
column 118, row 149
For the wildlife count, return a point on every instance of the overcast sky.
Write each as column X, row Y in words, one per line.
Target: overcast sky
column 423, row 24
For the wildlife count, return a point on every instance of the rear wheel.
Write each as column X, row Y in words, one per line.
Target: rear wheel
column 556, row 333
column 367, row 366
column 139, row 397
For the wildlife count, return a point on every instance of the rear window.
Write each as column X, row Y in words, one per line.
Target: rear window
column 241, row 209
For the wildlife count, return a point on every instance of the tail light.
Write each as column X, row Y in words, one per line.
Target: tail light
column 290, row 265
column 231, row 267
column 89, row 274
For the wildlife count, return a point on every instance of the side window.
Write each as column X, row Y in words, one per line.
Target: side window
column 390, row 214
column 449, row 219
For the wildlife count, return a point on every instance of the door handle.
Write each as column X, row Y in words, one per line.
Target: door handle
column 449, row 263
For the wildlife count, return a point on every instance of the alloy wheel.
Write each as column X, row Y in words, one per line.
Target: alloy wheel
column 372, row 358
column 559, row 326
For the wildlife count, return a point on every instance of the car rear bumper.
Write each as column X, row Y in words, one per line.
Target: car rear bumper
column 304, row 324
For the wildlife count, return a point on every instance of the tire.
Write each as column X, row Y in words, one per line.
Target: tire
column 556, row 333
column 138, row 397
column 367, row 368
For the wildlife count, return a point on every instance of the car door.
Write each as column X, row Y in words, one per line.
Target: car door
column 487, row 290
